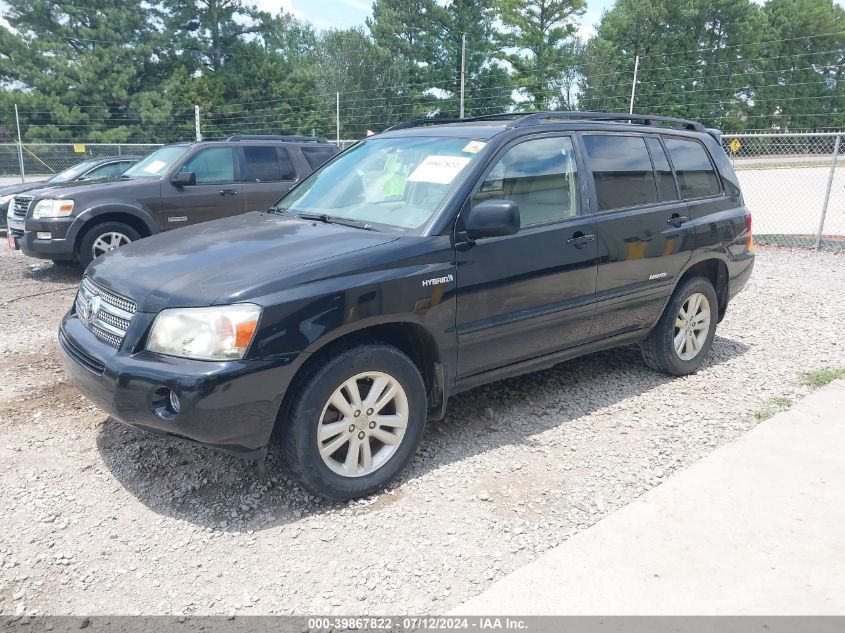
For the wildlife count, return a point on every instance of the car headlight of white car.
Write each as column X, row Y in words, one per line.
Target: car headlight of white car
column 49, row 208
column 215, row 333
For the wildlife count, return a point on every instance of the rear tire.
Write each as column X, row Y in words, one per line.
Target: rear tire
column 104, row 237
column 681, row 340
column 384, row 434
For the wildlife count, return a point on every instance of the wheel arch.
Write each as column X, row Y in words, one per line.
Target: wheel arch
column 411, row 338
column 139, row 220
column 714, row 270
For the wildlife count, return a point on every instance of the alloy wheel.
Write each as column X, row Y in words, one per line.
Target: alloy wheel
column 692, row 324
column 362, row 424
column 108, row 242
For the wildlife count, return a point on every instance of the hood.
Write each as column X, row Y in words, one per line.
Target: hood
column 223, row 261
column 69, row 189
column 20, row 187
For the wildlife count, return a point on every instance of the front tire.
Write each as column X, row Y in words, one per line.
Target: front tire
column 353, row 422
column 682, row 338
column 104, row 237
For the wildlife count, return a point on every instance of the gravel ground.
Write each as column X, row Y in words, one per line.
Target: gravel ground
column 97, row 518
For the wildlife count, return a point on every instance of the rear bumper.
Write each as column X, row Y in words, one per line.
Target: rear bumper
column 739, row 272
column 231, row 406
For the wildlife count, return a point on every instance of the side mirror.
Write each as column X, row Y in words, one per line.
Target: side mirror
column 492, row 218
column 184, row 179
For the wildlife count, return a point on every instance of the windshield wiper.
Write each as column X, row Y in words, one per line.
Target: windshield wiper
column 328, row 219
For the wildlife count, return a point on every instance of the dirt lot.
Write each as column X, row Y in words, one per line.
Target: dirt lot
column 96, row 518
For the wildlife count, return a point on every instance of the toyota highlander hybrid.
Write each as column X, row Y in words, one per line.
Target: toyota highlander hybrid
column 422, row 262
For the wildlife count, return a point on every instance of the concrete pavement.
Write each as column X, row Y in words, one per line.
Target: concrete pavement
column 755, row 528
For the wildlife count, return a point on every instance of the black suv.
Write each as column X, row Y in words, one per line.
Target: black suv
column 92, row 169
column 179, row 184
column 422, row 262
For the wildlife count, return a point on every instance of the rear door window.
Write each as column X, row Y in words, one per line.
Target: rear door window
column 261, row 164
column 696, row 176
column 286, row 167
column 318, row 155
column 621, row 169
column 666, row 189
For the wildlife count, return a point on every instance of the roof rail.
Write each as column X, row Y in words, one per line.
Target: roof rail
column 421, row 123
column 532, row 118
column 637, row 119
column 295, row 138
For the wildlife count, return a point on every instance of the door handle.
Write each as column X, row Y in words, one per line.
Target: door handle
column 677, row 220
column 228, row 192
column 578, row 240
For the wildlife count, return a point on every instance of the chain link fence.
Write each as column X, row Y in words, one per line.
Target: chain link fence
column 794, row 184
column 42, row 160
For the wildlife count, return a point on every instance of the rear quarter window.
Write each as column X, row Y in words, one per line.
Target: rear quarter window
column 696, row 176
column 316, row 156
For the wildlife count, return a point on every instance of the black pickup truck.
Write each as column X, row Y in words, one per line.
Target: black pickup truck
column 176, row 185
column 422, row 262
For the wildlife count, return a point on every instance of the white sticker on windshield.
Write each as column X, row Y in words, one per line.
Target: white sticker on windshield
column 439, row 169
column 154, row 166
column 473, row 147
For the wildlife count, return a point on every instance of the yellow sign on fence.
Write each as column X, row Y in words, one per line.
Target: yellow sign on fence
column 735, row 145
column 79, row 148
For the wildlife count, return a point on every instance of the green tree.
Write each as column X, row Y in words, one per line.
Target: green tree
column 698, row 58
column 803, row 85
column 83, row 71
column 368, row 78
column 537, row 42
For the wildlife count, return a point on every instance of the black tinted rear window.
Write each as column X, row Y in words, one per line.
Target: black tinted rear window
column 316, row 156
column 621, row 170
column 265, row 163
column 696, row 177
column 665, row 181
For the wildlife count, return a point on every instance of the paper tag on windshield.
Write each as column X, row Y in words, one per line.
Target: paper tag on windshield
column 438, row 169
column 473, row 147
column 154, row 166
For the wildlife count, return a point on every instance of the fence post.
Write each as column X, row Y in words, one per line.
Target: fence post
column 20, row 144
column 337, row 117
column 827, row 193
column 197, row 123
column 634, row 84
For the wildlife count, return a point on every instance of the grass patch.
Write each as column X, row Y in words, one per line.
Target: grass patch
column 821, row 377
column 775, row 405
column 781, row 402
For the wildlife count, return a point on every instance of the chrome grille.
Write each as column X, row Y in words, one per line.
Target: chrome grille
column 103, row 312
column 20, row 205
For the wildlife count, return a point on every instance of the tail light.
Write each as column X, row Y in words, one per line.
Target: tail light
column 749, row 236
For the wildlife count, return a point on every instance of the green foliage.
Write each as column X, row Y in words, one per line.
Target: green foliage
column 537, row 43
column 821, row 377
column 123, row 70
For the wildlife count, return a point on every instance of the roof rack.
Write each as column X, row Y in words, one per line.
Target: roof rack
column 422, row 122
column 293, row 138
column 636, row 119
column 533, row 118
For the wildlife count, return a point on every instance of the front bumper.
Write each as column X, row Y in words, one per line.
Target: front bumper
column 231, row 406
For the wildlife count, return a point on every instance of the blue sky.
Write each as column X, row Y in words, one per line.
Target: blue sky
column 345, row 13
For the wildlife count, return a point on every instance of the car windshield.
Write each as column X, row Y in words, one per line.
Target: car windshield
column 72, row 173
column 156, row 164
column 392, row 183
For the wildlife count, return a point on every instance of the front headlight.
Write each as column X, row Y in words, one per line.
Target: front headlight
column 52, row 209
column 6, row 199
column 216, row 333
